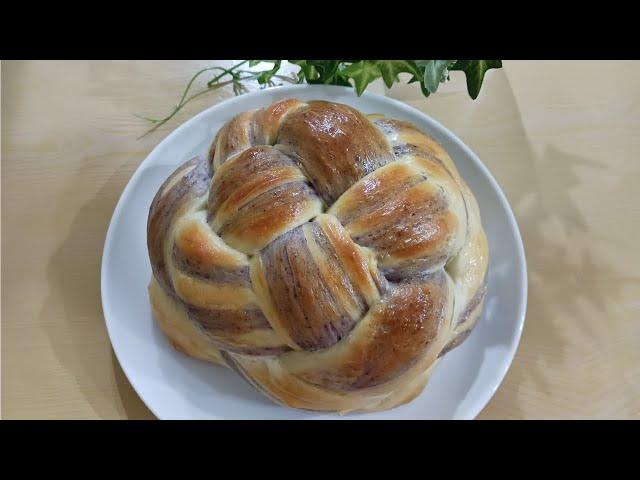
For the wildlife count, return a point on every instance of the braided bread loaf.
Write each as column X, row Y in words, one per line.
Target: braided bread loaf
column 328, row 257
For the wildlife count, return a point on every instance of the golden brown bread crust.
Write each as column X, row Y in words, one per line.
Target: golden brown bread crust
column 183, row 334
column 335, row 144
column 328, row 257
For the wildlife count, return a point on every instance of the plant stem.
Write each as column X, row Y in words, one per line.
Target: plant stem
column 213, row 84
column 159, row 123
column 225, row 71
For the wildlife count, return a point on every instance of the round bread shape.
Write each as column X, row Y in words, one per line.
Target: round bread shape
column 328, row 257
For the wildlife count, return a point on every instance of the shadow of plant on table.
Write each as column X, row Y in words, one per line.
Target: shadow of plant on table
column 564, row 251
column 80, row 339
column 570, row 291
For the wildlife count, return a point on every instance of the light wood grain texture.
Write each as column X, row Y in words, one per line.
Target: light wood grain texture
column 561, row 138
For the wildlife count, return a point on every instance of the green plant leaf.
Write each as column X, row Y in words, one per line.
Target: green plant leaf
column 362, row 73
column 390, row 69
column 424, row 90
column 340, row 78
column 326, row 70
column 329, row 70
column 307, row 71
column 265, row 77
column 434, row 72
column 253, row 63
column 474, row 71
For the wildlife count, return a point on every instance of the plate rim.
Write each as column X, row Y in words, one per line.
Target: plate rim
column 483, row 400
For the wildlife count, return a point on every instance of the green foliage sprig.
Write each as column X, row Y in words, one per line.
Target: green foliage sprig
column 356, row 73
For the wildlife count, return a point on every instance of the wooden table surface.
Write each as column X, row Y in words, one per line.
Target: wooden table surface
column 561, row 138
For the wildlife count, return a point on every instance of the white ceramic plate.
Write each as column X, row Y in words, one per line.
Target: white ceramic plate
column 177, row 387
